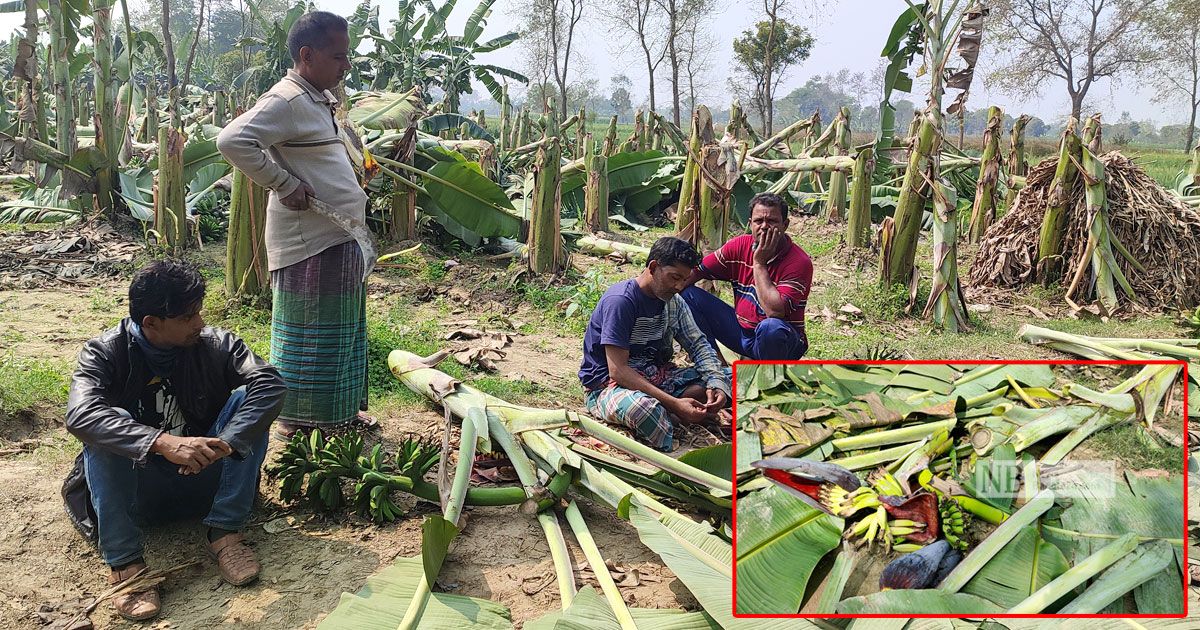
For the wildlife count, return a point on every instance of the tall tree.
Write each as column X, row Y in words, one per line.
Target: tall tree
column 1176, row 72
column 763, row 56
column 621, row 99
column 549, row 28
column 639, row 20
column 680, row 17
column 187, row 68
column 1072, row 42
column 696, row 46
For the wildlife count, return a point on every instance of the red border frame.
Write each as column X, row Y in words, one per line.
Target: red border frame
column 1184, row 585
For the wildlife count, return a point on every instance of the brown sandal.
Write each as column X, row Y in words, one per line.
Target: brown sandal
column 235, row 560
column 135, row 605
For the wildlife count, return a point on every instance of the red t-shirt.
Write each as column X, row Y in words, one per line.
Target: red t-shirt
column 791, row 271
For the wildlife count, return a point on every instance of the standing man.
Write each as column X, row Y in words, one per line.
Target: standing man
column 628, row 348
column 771, row 277
column 291, row 144
column 173, row 417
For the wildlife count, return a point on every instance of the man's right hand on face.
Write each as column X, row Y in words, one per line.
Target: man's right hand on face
column 767, row 245
column 298, row 200
column 689, row 410
column 192, row 454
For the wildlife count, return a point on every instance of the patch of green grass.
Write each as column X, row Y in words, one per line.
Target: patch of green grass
column 26, row 384
column 819, row 247
column 252, row 324
column 865, row 292
column 829, row 342
column 10, row 337
column 1130, row 445
column 434, row 270
column 1162, row 164
column 518, row 391
column 30, row 227
column 396, row 330
column 103, row 301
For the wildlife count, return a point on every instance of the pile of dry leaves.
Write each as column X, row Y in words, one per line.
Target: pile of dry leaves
column 1160, row 231
column 36, row 258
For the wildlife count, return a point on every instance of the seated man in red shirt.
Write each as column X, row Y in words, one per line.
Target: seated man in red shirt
column 771, row 277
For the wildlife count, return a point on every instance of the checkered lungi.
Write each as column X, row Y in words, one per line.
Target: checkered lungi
column 640, row 411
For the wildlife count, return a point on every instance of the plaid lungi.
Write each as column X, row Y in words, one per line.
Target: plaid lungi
column 640, row 411
column 319, row 337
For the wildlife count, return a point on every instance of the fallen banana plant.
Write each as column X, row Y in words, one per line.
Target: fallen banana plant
column 940, row 475
column 538, row 444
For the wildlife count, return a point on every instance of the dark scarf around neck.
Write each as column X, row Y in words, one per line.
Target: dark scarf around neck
column 160, row 360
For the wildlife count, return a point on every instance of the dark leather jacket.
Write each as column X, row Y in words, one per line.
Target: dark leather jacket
column 112, row 374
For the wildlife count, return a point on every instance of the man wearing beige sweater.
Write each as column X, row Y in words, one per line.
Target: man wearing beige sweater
column 291, row 143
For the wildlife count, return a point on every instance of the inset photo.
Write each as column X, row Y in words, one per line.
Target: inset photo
column 973, row 489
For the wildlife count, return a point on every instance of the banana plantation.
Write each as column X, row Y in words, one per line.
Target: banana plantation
column 860, row 489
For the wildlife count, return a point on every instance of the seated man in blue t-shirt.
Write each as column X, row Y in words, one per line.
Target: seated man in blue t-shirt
column 627, row 351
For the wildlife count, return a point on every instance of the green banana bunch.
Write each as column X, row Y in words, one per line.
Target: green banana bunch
column 953, row 519
column 1192, row 320
column 953, row 523
column 373, row 494
column 294, row 463
column 316, row 468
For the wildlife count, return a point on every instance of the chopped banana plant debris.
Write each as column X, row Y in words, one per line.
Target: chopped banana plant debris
column 972, row 488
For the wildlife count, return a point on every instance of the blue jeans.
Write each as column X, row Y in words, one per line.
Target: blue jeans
column 772, row 340
column 125, row 495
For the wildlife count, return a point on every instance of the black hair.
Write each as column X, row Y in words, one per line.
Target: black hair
column 165, row 288
column 312, row 29
column 669, row 250
column 770, row 200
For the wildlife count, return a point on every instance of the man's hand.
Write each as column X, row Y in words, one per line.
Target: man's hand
column 192, row 454
column 298, row 200
column 767, row 245
column 689, row 410
column 716, row 400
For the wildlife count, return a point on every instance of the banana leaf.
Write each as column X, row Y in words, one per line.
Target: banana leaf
column 640, row 201
column 742, row 194
column 1093, row 623
column 434, row 152
column 386, row 110
column 134, row 185
column 1026, row 375
column 780, row 541
column 623, row 220
column 589, row 611
column 1104, row 507
column 197, row 154
column 702, row 562
column 1020, row 568
column 716, row 460
column 42, row 206
column 380, row 605
column 635, row 182
column 204, row 184
column 749, row 449
column 930, row 601
column 450, row 121
column 478, row 207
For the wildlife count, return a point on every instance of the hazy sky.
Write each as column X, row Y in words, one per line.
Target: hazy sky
column 849, row 34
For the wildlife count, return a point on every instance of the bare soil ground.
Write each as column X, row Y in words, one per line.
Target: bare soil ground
column 501, row 555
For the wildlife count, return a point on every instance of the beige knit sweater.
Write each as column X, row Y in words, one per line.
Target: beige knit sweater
column 289, row 137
